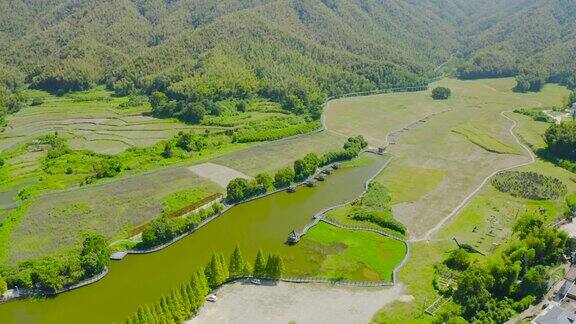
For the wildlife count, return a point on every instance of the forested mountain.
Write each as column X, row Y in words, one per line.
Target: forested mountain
column 533, row 38
column 296, row 52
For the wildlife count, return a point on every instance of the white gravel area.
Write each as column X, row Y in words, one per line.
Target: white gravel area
column 283, row 302
column 570, row 228
column 218, row 173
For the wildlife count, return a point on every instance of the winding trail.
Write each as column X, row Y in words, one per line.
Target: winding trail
column 467, row 199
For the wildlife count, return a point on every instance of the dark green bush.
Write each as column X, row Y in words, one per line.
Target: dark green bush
column 441, row 93
column 529, row 185
column 382, row 219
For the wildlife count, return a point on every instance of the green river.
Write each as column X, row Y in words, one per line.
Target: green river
column 142, row 279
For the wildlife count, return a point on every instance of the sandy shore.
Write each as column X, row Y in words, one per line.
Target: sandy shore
column 297, row 303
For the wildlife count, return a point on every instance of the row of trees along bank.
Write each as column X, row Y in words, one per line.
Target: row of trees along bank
column 183, row 302
column 53, row 273
column 164, row 228
column 241, row 189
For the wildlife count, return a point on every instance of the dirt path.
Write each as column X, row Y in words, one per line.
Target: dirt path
column 458, row 208
column 302, row 303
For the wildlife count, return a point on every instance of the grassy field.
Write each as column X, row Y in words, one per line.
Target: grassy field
column 55, row 222
column 434, row 168
column 483, row 139
column 416, row 276
column 407, row 183
column 268, row 157
column 353, row 255
column 90, row 120
column 484, row 223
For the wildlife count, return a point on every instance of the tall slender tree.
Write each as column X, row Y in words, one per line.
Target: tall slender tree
column 237, row 263
column 223, row 266
column 259, row 265
column 202, row 283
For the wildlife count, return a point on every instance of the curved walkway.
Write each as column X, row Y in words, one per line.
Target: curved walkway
column 467, row 199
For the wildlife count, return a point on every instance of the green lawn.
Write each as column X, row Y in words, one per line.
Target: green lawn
column 361, row 256
column 417, row 276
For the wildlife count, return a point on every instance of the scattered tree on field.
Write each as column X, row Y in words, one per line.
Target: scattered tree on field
column 441, row 93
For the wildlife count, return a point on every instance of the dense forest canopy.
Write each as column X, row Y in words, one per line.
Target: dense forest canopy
column 296, row 52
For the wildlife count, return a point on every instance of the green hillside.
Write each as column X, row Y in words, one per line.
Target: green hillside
column 294, row 52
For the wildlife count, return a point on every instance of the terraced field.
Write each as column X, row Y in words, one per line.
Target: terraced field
column 90, row 120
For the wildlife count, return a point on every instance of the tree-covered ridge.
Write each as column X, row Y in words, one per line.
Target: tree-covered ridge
column 534, row 39
column 293, row 52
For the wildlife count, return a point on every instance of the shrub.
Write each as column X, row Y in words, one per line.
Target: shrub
column 379, row 218
column 458, row 259
column 107, row 168
column 561, row 140
column 37, row 102
column 377, row 196
column 3, row 285
column 441, row 93
column 284, row 177
column 529, row 185
column 161, row 230
column 536, row 113
column 237, row 190
column 95, row 254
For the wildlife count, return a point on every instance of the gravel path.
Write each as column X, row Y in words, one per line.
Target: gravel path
column 300, row 303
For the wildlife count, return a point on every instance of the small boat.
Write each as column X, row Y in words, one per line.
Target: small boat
column 327, row 171
column 212, row 298
column 335, row 166
column 292, row 188
column 255, row 281
column 310, row 183
column 320, row 177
